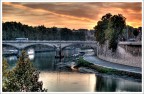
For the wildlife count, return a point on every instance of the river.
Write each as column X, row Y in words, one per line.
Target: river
column 57, row 78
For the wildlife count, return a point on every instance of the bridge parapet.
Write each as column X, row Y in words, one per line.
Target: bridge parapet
column 134, row 48
column 33, row 41
column 23, row 44
column 130, row 43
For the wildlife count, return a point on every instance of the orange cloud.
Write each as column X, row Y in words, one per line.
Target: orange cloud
column 71, row 15
column 45, row 11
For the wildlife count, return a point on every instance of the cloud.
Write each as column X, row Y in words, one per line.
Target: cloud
column 73, row 9
column 69, row 14
column 39, row 10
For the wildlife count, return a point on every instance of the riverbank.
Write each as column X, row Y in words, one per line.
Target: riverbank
column 121, row 56
column 85, row 66
column 133, row 61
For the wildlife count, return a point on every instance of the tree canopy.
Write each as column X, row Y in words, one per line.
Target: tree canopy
column 12, row 30
column 109, row 28
column 101, row 27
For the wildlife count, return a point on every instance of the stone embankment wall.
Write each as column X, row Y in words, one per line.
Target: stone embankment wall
column 136, row 61
column 121, row 56
column 135, row 50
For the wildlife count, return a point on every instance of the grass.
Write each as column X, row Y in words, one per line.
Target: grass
column 83, row 63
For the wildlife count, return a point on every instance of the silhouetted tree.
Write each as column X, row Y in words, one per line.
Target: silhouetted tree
column 12, row 30
column 135, row 32
column 109, row 28
column 100, row 28
column 117, row 25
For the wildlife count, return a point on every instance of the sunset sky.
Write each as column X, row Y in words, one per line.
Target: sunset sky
column 73, row 15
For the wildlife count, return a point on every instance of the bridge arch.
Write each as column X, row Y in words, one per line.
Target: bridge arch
column 18, row 47
column 80, row 45
column 92, row 46
column 73, row 44
column 10, row 45
column 40, row 44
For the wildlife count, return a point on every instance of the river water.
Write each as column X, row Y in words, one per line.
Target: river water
column 57, row 78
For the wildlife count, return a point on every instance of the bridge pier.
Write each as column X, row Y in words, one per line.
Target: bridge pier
column 95, row 51
column 19, row 52
column 59, row 54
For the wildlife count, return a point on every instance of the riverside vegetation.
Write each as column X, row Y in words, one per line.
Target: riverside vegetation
column 22, row 78
column 103, row 70
column 12, row 30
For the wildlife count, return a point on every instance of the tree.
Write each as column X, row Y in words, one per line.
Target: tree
column 12, row 30
column 8, row 79
column 24, row 77
column 109, row 28
column 135, row 32
column 117, row 25
column 4, row 67
column 4, row 73
column 100, row 28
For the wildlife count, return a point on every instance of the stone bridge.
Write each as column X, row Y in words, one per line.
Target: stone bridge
column 55, row 44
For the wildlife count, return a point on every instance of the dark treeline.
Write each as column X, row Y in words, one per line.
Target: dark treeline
column 12, row 30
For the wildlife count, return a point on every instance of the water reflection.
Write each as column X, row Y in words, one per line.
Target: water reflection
column 11, row 58
column 31, row 57
column 104, row 84
column 68, row 82
column 109, row 84
column 56, row 81
column 11, row 61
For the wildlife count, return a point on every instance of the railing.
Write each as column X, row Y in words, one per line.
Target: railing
column 44, row 41
column 130, row 43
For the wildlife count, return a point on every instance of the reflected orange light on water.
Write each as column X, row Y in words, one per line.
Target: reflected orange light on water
column 67, row 81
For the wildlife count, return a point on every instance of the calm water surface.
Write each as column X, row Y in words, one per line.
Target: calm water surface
column 60, row 79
